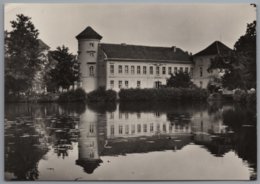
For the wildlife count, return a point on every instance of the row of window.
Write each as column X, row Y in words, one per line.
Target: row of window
column 120, row 115
column 126, row 84
column 158, row 70
column 151, row 128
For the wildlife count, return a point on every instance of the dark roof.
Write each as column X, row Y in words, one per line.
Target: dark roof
column 89, row 33
column 43, row 45
column 214, row 49
column 148, row 53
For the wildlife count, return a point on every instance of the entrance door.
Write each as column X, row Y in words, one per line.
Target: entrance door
column 157, row 84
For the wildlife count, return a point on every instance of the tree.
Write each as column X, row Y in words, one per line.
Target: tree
column 239, row 66
column 22, row 55
column 179, row 80
column 65, row 72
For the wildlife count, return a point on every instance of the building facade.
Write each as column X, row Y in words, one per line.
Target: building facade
column 122, row 66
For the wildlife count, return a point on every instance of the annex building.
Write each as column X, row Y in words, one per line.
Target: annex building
column 117, row 66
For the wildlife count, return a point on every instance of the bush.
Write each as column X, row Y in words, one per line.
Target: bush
column 239, row 96
column 102, row 95
column 251, row 98
column 163, row 94
column 78, row 95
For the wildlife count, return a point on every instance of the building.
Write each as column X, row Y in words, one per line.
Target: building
column 117, row 66
column 48, row 63
column 201, row 76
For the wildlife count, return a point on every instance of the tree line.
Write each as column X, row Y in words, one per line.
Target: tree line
column 25, row 56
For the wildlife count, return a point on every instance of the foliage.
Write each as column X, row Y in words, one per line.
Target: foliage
column 65, row 72
column 239, row 66
column 163, row 94
column 78, row 95
column 243, row 97
column 102, row 95
column 179, row 80
column 23, row 56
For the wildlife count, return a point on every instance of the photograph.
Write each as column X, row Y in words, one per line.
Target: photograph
column 130, row 92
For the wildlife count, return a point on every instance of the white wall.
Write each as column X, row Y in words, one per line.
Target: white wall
column 87, row 57
column 147, row 80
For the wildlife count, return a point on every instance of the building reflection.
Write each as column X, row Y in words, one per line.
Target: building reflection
column 125, row 132
column 89, row 157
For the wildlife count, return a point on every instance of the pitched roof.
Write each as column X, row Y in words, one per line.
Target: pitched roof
column 43, row 45
column 215, row 48
column 89, row 33
column 147, row 53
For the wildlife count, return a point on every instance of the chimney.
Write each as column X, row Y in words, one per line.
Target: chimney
column 174, row 48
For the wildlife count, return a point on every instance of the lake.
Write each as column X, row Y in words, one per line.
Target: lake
column 130, row 141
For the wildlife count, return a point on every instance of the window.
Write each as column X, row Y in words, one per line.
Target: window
column 132, row 69
column 138, row 84
column 157, row 70
column 181, row 69
column 151, row 127
column 111, row 115
column 119, row 84
column 145, row 128
column 164, row 127
column 151, row 70
column 201, row 84
column 201, row 72
column 126, row 115
column 163, row 70
column 175, row 70
column 112, row 69
column 111, row 84
column 127, row 129
column 91, row 128
column 120, row 115
column 191, row 71
column 144, row 69
column 133, row 129
column 186, row 69
column 91, row 54
column 158, row 127
column 138, row 128
column 112, row 129
column 138, row 115
column 91, row 44
column 120, row 69
column 126, row 69
column 126, row 84
column 91, row 70
column 138, row 70
column 157, row 114
column 120, row 131
column 91, row 154
column 169, row 70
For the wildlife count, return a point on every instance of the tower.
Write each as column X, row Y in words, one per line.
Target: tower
column 88, row 41
column 88, row 143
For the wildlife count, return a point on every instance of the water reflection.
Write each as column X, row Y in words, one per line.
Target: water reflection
column 88, row 135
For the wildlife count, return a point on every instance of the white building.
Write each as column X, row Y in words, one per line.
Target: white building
column 117, row 66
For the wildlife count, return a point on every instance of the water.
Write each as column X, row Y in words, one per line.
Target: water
column 130, row 141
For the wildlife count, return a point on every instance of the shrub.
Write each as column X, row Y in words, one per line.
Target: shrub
column 163, row 94
column 78, row 95
column 239, row 96
column 102, row 95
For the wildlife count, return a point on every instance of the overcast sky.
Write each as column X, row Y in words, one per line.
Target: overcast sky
column 190, row 27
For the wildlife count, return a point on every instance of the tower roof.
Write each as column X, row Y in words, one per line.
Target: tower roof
column 89, row 33
column 214, row 49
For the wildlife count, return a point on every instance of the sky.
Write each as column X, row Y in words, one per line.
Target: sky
column 191, row 27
